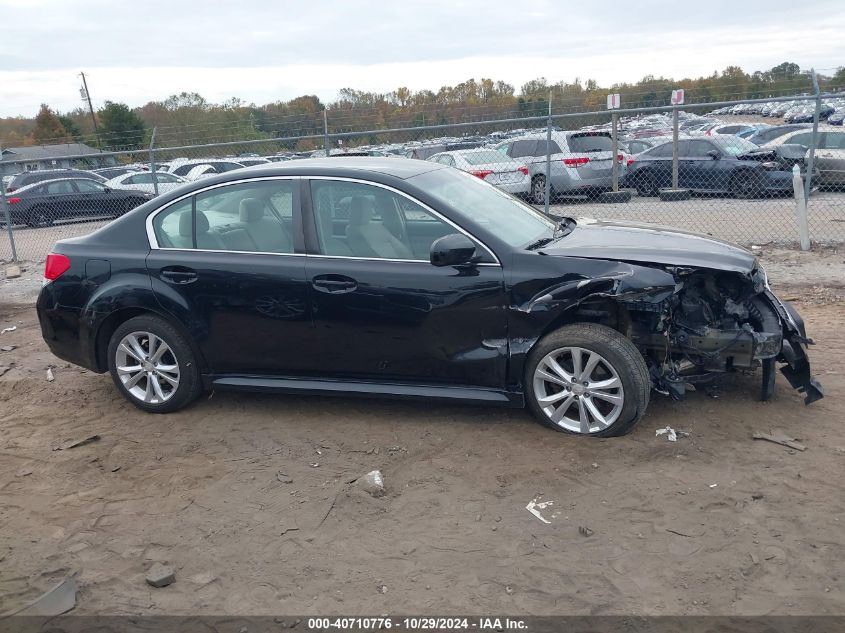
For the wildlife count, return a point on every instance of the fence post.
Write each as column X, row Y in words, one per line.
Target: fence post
column 675, row 148
column 7, row 214
column 326, row 131
column 153, row 160
column 801, row 209
column 815, row 140
column 548, row 191
column 614, row 120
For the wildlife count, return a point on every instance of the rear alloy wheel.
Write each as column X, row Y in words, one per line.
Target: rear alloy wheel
column 41, row 217
column 587, row 379
column 746, row 185
column 153, row 366
column 538, row 190
column 646, row 185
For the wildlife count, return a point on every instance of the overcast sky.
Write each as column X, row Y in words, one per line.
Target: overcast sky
column 263, row 51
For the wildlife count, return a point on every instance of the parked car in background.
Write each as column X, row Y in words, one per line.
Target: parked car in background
column 830, row 159
column 197, row 172
column 581, row 162
column 837, row 117
column 424, row 152
column 43, row 203
column 31, row 177
column 491, row 166
column 730, row 128
column 144, row 181
column 113, row 172
column 184, row 167
column 766, row 135
column 252, row 160
column 723, row 164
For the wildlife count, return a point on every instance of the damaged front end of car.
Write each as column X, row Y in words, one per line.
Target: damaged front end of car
column 718, row 321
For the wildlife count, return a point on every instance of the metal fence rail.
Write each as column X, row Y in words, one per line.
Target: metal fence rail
column 682, row 166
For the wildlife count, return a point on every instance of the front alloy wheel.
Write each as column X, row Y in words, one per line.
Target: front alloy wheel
column 587, row 379
column 579, row 390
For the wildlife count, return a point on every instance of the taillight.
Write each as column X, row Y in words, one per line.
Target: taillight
column 574, row 162
column 620, row 157
column 55, row 266
column 13, row 200
column 482, row 173
column 630, row 162
column 524, row 170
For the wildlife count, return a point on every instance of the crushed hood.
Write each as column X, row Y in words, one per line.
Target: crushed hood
column 649, row 244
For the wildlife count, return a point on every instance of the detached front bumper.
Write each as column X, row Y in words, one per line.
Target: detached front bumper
column 793, row 352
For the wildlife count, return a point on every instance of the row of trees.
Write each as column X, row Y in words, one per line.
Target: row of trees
column 188, row 118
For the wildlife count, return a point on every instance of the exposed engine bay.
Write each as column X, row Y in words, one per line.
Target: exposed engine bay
column 717, row 322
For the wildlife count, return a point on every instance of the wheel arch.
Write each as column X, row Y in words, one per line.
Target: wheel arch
column 109, row 325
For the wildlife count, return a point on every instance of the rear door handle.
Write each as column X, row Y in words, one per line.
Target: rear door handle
column 178, row 275
column 335, row 284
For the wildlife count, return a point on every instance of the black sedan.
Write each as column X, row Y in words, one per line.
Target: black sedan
column 725, row 164
column 43, row 203
column 378, row 277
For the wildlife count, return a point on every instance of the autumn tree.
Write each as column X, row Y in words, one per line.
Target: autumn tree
column 48, row 129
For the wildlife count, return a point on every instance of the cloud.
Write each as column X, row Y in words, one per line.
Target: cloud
column 268, row 51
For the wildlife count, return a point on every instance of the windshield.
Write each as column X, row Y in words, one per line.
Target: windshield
column 510, row 220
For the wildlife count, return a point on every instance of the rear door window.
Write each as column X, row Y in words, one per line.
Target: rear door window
column 698, row 149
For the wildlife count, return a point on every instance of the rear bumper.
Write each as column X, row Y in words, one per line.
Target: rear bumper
column 66, row 332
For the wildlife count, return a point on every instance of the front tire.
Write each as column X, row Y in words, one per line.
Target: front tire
column 587, row 379
column 153, row 366
column 40, row 217
column 646, row 185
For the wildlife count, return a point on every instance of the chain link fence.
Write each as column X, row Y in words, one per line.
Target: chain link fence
column 752, row 172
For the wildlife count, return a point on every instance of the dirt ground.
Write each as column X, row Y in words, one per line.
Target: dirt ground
column 715, row 523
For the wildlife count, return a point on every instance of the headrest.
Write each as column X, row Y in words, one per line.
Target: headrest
column 250, row 210
column 360, row 210
column 185, row 224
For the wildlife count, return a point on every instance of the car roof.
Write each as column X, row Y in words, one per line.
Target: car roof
column 350, row 167
column 41, row 183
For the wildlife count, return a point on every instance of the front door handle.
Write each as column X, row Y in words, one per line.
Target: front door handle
column 178, row 275
column 334, row 284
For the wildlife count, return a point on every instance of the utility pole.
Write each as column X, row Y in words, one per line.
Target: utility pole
column 87, row 97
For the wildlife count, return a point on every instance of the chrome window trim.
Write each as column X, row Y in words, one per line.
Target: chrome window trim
column 153, row 241
column 415, row 201
column 151, row 236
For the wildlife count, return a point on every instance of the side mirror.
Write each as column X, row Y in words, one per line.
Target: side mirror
column 107, row 189
column 451, row 250
column 714, row 154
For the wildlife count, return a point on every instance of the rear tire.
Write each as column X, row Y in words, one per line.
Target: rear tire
column 153, row 366
column 538, row 190
column 617, row 387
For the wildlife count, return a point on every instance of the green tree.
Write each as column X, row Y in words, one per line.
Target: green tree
column 70, row 127
column 120, row 127
column 48, row 129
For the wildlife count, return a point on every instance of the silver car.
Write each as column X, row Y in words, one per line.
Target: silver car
column 491, row 166
column 581, row 162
